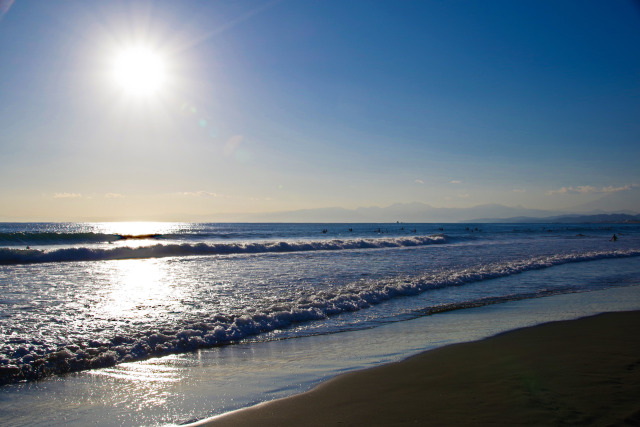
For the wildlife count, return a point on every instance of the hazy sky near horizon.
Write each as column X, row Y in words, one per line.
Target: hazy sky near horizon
column 279, row 105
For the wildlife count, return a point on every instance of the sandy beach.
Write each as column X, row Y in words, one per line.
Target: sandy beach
column 580, row 372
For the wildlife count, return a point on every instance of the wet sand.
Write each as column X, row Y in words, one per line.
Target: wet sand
column 579, row 372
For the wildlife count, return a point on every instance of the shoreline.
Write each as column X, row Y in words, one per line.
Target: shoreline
column 192, row 387
column 583, row 372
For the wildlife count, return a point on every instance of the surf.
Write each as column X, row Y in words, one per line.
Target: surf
column 10, row 256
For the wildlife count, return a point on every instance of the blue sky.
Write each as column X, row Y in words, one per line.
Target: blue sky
column 271, row 106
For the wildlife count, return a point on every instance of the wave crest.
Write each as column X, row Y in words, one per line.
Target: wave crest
column 20, row 363
column 32, row 256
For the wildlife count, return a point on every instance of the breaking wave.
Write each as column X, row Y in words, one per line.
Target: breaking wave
column 30, row 256
column 24, row 359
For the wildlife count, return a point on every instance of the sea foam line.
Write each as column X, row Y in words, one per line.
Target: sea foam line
column 31, row 256
column 18, row 363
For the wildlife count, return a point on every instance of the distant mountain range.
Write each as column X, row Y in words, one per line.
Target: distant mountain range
column 569, row 219
column 421, row 212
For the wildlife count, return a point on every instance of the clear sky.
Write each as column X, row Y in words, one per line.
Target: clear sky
column 259, row 106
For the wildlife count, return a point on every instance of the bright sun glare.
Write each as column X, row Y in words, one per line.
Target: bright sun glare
column 139, row 71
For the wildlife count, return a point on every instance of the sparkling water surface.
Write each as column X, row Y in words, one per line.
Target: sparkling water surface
column 91, row 296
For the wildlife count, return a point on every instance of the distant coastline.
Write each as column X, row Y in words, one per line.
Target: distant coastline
column 567, row 219
column 420, row 213
column 399, row 213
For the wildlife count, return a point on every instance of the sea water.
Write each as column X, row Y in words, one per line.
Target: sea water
column 93, row 297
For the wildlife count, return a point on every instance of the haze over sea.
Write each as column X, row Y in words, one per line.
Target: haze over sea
column 84, row 297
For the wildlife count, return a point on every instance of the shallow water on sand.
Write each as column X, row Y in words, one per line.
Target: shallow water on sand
column 88, row 296
column 180, row 388
column 220, row 316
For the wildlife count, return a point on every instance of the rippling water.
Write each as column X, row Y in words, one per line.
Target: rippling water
column 83, row 296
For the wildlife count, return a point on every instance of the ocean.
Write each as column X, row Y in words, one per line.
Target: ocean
column 93, row 300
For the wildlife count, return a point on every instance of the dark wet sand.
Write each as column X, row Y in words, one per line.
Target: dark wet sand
column 581, row 372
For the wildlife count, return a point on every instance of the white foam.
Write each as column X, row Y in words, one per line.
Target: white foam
column 19, row 363
column 28, row 256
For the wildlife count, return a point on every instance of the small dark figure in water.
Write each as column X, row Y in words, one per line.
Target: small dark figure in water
column 351, row 230
column 614, row 238
column 324, row 231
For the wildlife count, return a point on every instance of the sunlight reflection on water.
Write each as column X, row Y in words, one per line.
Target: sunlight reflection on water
column 173, row 389
column 136, row 289
column 139, row 228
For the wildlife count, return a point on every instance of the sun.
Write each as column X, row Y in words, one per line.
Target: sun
column 139, row 71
